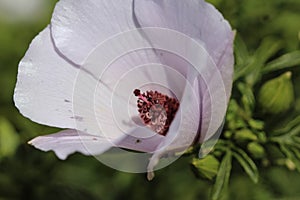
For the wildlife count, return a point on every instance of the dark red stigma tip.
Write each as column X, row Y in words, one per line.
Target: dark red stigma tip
column 137, row 92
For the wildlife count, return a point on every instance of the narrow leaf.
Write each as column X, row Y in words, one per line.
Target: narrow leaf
column 252, row 69
column 287, row 60
column 290, row 155
column 241, row 52
column 267, row 48
column 246, row 69
column 296, row 152
column 295, row 131
column 223, row 176
column 291, row 124
column 247, row 163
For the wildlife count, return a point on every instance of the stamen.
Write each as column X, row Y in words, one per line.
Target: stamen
column 141, row 97
column 156, row 110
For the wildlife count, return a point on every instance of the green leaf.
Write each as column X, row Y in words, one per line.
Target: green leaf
column 9, row 139
column 292, row 128
column 291, row 124
column 290, row 155
column 268, row 47
column 241, row 52
column 252, row 69
column 295, row 131
column 296, row 152
column 284, row 61
column 223, row 176
column 286, row 139
column 296, row 139
column 247, row 163
column 206, row 167
column 244, row 70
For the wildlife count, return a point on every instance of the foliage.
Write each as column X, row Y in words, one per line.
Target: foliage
column 262, row 126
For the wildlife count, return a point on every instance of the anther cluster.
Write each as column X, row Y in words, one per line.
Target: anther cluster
column 156, row 110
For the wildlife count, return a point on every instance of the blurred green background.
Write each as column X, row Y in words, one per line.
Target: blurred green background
column 26, row 173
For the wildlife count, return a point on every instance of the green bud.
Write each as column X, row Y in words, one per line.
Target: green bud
column 206, row 167
column 240, row 123
column 248, row 99
column 244, row 134
column 262, row 136
column 290, row 164
column 256, row 149
column 233, row 107
column 227, row 134
column 277, row 95
column 218, row 153
column 256, row 124
column 236, row 124
column 265, row 162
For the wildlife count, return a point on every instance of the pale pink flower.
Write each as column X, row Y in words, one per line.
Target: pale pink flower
column 80, row 74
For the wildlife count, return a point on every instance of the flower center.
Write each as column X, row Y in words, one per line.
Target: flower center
column 156, row 110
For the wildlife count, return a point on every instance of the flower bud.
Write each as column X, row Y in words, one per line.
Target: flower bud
column 244, row 134
column 206, row 167
column 256, row 149
column 290, row 164
column 227, row 134
column 277, row 95
column 256, row 124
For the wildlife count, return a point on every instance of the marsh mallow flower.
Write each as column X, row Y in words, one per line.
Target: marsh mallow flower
column 152, row 76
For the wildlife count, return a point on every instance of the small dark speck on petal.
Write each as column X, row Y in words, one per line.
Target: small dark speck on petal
column 67, row 101
column 138, row 141
column 77, row 118
column 95, row 139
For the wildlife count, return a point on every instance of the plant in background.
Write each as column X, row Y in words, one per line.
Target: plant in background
column 251, row 136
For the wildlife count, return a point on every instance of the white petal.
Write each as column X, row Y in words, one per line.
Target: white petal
column 132, row 141
column 184, row 128
column 195, row 18
column 78, row 26
column 44, row 86
column 48, row 90
column 70, row 141
column 198, row 20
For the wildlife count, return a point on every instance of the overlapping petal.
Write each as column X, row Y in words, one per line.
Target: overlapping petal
column 44, row 86
column 195, row 18
column 79, row 26
column 202, row 22
column 70, row 141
